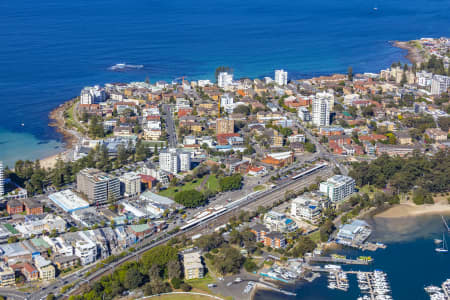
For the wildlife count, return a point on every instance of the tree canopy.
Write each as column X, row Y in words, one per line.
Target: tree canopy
column 190, row 198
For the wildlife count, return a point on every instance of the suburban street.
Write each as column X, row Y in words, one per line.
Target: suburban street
column 170, row 126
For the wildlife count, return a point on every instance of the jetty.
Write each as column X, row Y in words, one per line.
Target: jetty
column 329, row 259
column 266, row 285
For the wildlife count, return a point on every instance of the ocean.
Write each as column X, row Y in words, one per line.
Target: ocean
column 409, row 260
column 51, row 49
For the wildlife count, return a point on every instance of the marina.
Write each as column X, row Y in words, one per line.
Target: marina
column 439, row 293
column 373, row 285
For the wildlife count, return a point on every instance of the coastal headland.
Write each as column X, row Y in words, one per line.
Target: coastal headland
column 414, row 52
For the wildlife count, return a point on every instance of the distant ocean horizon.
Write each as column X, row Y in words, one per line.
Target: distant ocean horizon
column 51, row 49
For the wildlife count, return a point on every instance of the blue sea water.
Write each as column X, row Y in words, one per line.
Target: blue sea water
column 410, row 262
column 50, row 49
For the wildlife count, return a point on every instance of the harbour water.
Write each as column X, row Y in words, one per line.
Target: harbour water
column 410, row 262
column 50, row 49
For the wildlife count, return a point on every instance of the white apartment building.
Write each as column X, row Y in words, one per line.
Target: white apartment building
column 276, row 221
column 440, row 84
column 59, row 245
column 173, row 161
column 320, row 112
column 306, row 209
column 193, row 267
column 303, row 114
column 85, row 249
column 329, row 96
column 130, row 184
column 281, row 77
column 2, row 180
column 338, row 187
column 91, row 95
column 185, row 161
column 224, row 79
column 424, row 78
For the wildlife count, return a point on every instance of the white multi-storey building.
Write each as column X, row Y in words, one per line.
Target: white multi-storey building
column 281, row 77
column 329, row 96
column 2, row 180
column 224, row 79
column 85, row 249
column 307, row 209
column 130, row 184
column 338, row 187
column 174, row 161
column 321, row 112
column 185, row 161
column 440, row 84
column 424, row 78
column 91, row 95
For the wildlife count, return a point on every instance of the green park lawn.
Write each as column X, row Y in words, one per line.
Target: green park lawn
column 212, row 183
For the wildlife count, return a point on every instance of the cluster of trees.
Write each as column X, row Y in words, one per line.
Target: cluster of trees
column 420, row 123
column 435, row 65
column 190, row 198
column 157, row 265
column 34, row 178
column 402, row 174
column 229, row 183
column 304, row 245
column 96, row 129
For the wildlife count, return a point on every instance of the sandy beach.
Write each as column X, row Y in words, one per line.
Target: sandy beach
column 409, row 209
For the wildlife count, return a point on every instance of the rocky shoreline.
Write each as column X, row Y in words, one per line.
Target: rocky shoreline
column 414, row 55
column 69, row 137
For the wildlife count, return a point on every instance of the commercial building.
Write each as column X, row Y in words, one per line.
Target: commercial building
column 355, row 233
column 130, row 184
column 440, row 84
column 320, row 112
column 33, row 207
column 193, row 267
column 13, row 253
column 224, row 125
column 68, row 201
column 174, row 160
column 2, row 180
column 224, row 79
column 338, row 187
column 14, row 207
column 97, row 186
column 281, row 77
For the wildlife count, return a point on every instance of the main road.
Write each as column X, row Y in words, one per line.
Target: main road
column 170, row 126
